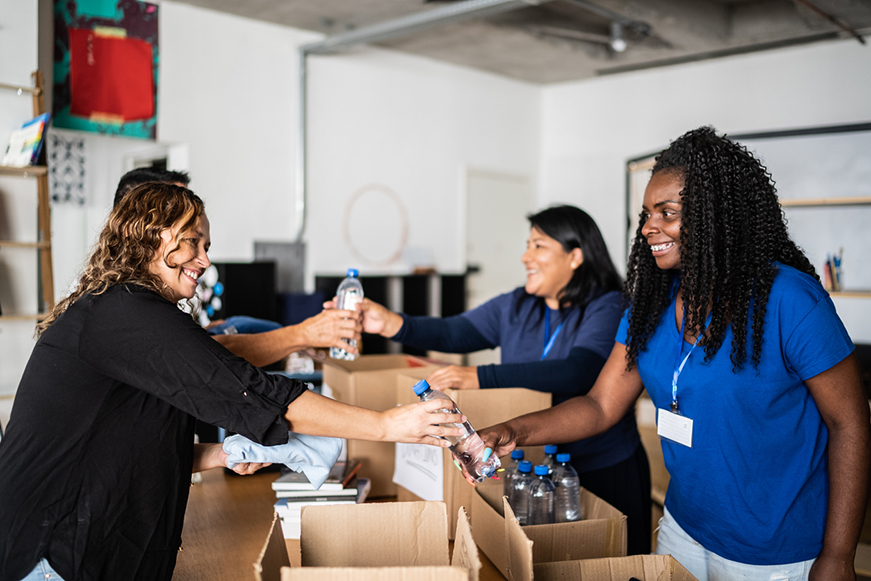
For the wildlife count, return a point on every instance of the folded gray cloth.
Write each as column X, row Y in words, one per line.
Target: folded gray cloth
column 312, row 455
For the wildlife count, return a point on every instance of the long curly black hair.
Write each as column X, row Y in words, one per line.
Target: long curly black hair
column 732, row 230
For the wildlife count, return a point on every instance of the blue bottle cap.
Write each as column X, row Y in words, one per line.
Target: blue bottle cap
column 563, row 457
column 525, row 466
column 550, row 449
column 517, row 454
column 420, row 387
column 352, row 272
column 541, row 470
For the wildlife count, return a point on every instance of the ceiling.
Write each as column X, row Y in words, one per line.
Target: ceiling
column 567, row 40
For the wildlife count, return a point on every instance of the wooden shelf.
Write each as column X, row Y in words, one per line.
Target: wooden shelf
column 856, row 294
column 23, row 172
column 811, row 202
column 29, row 317
column 10, row 244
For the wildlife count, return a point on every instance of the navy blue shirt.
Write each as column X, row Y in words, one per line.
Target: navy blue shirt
column 515, row 322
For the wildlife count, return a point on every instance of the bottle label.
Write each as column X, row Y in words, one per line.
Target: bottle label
column 349, row 301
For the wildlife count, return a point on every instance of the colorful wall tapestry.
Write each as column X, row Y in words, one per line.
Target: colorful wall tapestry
column 105, row 66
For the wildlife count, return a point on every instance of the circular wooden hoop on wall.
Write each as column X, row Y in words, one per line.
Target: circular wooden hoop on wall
column 403, row 224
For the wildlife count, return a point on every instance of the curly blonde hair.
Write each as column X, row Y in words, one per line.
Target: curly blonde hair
column 130, row 239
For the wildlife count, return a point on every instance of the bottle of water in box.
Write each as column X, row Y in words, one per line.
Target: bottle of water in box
column 519, row 497
column 568, row 490
column 542, row 498
column 511, row 471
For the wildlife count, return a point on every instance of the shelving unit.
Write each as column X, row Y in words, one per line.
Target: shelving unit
column 43, row 242
column 829, row 203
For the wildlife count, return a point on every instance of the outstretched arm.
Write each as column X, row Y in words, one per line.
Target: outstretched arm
column 326, row 329
column 613, row 394
column 841, row 401
column 416, row 423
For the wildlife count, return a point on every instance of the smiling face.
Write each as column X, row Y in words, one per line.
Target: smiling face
column 662, row 210
column 549, row 268
column 182, row 258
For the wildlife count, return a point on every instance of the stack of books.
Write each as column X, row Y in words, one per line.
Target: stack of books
column 294, row 491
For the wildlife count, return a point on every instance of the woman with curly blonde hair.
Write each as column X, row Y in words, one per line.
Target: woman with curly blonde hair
column 96, row 462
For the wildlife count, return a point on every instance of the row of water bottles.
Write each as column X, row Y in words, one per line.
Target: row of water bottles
column 548, row 493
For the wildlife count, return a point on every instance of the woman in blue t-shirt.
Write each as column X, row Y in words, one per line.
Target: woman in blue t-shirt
column 762, row 417
column 555, row 334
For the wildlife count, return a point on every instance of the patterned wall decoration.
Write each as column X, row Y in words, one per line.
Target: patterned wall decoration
column 106, row 66
column 66, row 163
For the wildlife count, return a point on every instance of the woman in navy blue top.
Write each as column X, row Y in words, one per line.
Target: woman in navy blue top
column 760, row 409
column 555, row 334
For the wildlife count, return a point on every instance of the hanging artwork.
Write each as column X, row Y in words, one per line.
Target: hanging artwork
column 105, row 67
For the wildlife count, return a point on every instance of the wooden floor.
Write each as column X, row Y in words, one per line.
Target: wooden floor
column 226, row 524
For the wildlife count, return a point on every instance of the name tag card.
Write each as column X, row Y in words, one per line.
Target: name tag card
column 675, row 427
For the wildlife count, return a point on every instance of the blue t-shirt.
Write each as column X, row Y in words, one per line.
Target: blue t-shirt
column 754, row 486
column 570, row 368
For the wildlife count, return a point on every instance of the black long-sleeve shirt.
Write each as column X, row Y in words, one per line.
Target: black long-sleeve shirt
column 96, row 461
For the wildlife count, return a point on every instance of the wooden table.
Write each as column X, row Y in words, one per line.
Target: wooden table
column 226, row 524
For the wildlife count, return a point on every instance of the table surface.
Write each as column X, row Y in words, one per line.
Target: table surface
column 226, row 525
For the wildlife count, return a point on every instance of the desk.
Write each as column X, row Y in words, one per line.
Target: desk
column 226, row 524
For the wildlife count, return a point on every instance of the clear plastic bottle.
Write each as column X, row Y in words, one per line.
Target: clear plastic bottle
column 511, row 471
column 549, row 456
column 542, row 498
column 519, row 497
column 568, row 490
column 349, row 294
column 468, row 449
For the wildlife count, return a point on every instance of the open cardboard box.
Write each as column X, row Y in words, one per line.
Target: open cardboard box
column 518, row 549
column 482, row 407
column 370, row 382
column 393, row 541
column 641, row 567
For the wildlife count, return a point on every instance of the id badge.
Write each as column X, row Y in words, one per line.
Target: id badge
column 675, row 427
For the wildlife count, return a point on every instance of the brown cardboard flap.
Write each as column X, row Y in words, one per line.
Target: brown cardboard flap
column 519, row 547
column 465, row 551
column 643, row 567
column 490, row 527
column 273, row 555
column 375, row 535
column 374, row 574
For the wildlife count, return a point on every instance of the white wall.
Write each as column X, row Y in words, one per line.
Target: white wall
column 591, row 128
column 18, row 274
column 375, row 117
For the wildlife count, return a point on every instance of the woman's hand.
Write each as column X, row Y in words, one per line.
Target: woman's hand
column 422, row 423
column 500, row 438
column 208, row 456
column 454, row 376
column 330, row 327
column 379, row 320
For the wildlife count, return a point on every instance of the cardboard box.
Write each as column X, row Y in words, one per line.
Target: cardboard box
column 380, row 541
column 645, row 417
column 642, row 567
column 518, row 549
column 482, row 407
column 370, row 382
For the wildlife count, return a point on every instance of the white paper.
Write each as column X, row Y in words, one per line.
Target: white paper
column 420, row 469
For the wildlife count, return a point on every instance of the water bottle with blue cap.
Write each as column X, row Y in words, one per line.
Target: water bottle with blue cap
column 519, row 496
column 511, row 471
column 469, row 451
column 542, row 498
column 349, row 294
column 568, row 490
column 550, row 452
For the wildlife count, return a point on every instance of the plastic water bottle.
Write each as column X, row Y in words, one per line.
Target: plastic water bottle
column 542, row 498
column 568, row 490
column 549, row 456
column 519, row 497
column 349, row 294
column 468, row 449
column 510, row 472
